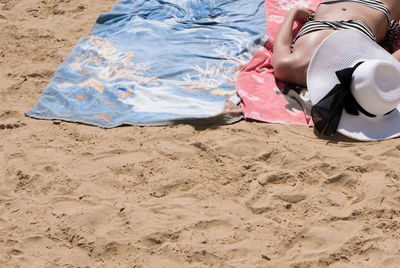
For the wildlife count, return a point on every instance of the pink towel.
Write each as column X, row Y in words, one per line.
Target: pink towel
column 263, row 97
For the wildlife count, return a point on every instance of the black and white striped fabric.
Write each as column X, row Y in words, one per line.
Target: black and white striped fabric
column 316, row 25
column 393, row 31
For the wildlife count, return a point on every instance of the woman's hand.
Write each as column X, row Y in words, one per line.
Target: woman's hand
column 301, row 14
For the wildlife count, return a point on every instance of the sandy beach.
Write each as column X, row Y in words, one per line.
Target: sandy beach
column 243, row 195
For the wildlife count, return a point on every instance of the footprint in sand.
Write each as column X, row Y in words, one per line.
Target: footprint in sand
column 10, row 120
column 11, row 126
column 47, row 9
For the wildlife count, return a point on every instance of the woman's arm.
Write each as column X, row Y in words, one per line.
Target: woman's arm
column 396, row 54
column 283, row 39
column 284, row 61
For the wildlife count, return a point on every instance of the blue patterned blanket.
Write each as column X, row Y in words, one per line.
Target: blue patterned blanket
column 155, row 62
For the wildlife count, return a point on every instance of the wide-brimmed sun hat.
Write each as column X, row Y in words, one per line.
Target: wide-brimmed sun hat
column 354, row 86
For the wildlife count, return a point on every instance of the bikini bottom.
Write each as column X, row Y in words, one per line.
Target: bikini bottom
column 317, row 25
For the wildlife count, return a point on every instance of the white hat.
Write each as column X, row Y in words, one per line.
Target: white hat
column 367, row 96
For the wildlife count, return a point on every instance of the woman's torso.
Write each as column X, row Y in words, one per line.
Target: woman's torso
column 306, row 45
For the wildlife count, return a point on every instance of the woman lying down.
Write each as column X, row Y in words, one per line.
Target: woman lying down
column 353, row 83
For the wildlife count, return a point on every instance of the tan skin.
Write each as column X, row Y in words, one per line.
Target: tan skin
column 291, row 66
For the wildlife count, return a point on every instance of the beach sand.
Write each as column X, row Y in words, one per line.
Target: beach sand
column 243, row 195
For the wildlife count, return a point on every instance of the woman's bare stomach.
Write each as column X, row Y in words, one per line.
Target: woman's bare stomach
column 306, row 45
column 374, row 18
